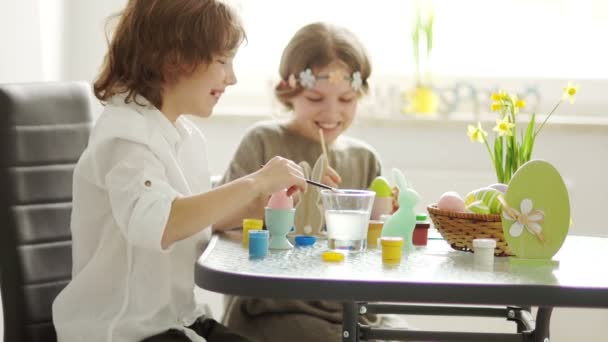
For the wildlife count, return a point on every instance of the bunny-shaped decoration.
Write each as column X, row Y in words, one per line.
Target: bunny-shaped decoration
column 403, row 221
column 309, row 211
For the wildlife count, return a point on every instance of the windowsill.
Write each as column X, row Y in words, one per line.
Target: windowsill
column 243, row 114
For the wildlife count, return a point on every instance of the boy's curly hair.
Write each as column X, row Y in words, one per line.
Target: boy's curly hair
column 158, row 41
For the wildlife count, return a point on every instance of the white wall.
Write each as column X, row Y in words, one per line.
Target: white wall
column 20, row 48
column 44, row 40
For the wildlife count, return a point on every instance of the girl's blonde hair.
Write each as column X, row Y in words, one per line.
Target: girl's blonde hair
column 158, row 41
column 317, row 45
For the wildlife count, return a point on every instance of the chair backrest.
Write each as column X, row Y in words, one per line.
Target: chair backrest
column 49, row 126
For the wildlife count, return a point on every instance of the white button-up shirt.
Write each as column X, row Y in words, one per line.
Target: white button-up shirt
column 125, row 287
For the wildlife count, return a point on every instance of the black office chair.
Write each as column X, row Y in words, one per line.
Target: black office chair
column 49, row 126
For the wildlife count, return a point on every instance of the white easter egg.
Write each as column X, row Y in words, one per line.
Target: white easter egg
column 499, row 186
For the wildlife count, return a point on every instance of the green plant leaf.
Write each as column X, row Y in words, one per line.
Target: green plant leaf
column 509, row 156
column 528, row 139
column 498, row 158
column 429, row 36
column 513, row 152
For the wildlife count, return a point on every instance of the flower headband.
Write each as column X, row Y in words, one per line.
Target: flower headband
column 307, row 79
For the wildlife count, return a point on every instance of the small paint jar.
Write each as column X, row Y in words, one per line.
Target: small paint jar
column 258, row 244
column 391, row 249
column 373, row 233
column 305, row 240
column 421, row 231
column 250, row 224
column 484, row 252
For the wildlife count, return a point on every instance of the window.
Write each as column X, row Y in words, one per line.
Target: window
column 517, row 44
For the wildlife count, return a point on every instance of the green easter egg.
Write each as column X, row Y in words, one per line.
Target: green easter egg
column 488, row 196
column 381, row 187
column 478, row 207
column 538, row 191
column 469, row 198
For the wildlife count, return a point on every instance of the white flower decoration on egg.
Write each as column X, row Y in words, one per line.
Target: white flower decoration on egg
column 528, row 218
column 307, row 79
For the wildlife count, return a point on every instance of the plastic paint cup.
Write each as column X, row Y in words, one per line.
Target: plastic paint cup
column 373, row 233
column 391, row 249
column 258, row 244
column 250, row 224
column 484, row 252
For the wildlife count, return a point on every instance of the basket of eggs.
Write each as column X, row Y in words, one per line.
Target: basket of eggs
column 478, row 215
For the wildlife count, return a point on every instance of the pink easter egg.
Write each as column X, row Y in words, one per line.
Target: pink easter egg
column 451, row 201
column 280, row 200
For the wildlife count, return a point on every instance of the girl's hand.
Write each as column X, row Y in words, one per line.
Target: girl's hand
column 331, row 177
column 278, row 174
column 395, row 199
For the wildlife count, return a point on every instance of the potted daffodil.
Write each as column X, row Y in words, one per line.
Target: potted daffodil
column 422, row 99
column 510, row 150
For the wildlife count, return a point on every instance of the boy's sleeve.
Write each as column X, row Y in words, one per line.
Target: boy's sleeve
column 139, row 192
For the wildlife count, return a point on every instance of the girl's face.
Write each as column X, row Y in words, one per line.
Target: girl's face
column 200, row 91
column 329, row 106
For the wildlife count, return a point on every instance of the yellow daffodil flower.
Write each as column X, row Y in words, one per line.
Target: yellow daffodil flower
column 570, row 92
column 501, row 95
column 504, row 127
column 520, row 103
column 476, row 133
column 496, row 106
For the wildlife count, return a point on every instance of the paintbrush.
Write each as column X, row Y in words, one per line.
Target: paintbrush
column 321, row 185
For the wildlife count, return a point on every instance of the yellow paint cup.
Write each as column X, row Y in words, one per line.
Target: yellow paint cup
column 373, row 233
column 391, row 249
column 250, row 224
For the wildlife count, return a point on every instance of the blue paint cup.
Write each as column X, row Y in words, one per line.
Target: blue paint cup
column 258, row 244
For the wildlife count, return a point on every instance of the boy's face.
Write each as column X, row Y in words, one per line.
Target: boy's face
column 200, row 91
column 329, row 106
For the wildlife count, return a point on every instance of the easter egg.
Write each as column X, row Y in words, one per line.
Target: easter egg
column 451, row 201
column 381, row 187
column 537, row 191
column 478, row 207
column 488, row 196
column 499, row 186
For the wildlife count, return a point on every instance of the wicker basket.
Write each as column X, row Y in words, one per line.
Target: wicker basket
column 459, row 229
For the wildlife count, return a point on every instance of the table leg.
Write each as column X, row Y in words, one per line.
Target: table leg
column 350, row 321
column 543, row 322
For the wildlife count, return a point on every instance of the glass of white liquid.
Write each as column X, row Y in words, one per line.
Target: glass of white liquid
column 347, row 214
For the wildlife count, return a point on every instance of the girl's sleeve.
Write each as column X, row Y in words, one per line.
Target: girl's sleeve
column 138, row 189
column 248, row 158
column 375, row 168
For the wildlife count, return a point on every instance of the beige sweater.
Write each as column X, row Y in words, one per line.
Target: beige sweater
column 355, row 161
column 271, row 320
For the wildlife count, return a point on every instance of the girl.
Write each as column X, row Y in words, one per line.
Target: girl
column 324, row 71
column 142, row 204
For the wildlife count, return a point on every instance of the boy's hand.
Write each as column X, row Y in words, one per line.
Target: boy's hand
column 331, row 177
column 278, row 174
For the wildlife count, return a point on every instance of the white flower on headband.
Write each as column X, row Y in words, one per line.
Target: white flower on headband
column 307, row 79
column 356, row 82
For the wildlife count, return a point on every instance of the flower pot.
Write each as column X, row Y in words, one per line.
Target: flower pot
column 422, row 100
